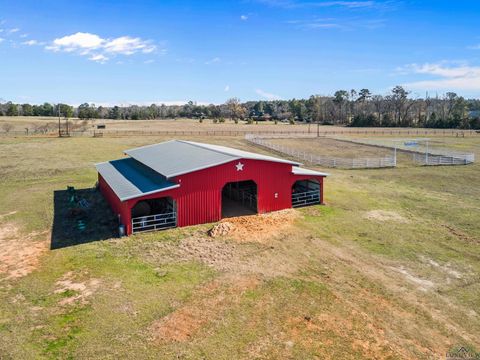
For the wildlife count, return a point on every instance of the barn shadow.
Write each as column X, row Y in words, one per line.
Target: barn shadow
column 81, row 216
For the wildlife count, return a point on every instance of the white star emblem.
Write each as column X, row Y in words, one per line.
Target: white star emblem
column 239, row 166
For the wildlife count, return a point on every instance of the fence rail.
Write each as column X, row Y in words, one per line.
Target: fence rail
column 242, row 132
column 154, row 222
column 423, row 155
column 306, row 198
column 246, row 196
column 433, row 160
column 333, row 162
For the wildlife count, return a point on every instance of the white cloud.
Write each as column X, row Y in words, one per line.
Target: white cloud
column 448, row 76
column 227, row 88
column 127, row 46
column 149, row 61
column 79, row 41
column 31, row 42
column 244, row 17
column 100, row 58
column 14, row 30
column 338, row 23
column 2, row 39
column 266, row 95
column 215, row 60
column 98, row 48
column 23, row 36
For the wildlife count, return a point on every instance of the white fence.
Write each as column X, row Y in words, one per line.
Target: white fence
column 432, row 159
column 333, row 162
column 154, row 222
column 422, row 154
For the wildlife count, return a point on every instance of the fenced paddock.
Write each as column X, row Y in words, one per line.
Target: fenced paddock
column 424, row 151
column 301, row 149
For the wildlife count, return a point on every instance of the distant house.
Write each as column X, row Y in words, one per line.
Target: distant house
column 474, row 113
column 181, row 183
column 101, row 126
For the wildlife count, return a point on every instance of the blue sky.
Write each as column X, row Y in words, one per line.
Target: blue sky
column 124, row 52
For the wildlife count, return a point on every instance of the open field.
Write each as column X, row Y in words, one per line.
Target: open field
column 389, row 268
column 125, row 127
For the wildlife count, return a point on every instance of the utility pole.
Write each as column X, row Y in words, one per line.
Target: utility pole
column 318, row 128
column 66, row 120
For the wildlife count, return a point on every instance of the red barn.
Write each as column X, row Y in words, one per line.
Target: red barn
column 181, row 183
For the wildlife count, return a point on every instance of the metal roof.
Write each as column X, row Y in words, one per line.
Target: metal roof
column 176, row 157
column 130, row 179
column 302, row 171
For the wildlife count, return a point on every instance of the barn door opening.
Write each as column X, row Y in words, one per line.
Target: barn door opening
column 154, row 214
column 239, row 198
column 305, row 192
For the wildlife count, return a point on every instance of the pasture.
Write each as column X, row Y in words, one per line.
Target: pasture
column 389, row 268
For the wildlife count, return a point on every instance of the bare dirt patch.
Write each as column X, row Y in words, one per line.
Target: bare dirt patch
column 423, row 284
column 461, row 235
column 372, row 343
column 384, row 215
column 332, row 147
column 79, row 291
column 256, row 228
column 209, row 303
column 19, row 255
column 227, row 256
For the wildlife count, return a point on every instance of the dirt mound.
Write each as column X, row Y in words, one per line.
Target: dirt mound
column 221, row 229
column 256, row 228
column 384, row 215
column 19, row 255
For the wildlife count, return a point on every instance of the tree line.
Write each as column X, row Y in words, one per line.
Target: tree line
column 347, row 108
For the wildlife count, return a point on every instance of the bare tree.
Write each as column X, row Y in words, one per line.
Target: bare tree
column 235, row 108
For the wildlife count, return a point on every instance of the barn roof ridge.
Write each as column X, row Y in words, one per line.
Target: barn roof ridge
column 175, row 157
column 238, row 153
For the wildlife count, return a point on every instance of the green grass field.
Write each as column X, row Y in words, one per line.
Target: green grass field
column 389, row 268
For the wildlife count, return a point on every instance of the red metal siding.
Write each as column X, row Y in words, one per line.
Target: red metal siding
column 118, row 207
column 198, row 198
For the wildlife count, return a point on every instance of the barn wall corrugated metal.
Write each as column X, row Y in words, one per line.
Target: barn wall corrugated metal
column 199, row 200
column 118, row 207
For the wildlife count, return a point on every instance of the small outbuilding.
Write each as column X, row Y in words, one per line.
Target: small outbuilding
column 182, row 183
